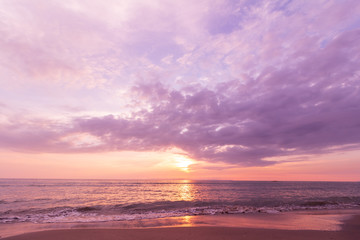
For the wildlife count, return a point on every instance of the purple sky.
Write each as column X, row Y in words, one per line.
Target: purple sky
column 243, row 83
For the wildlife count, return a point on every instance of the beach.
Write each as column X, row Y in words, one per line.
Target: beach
column 349, row 230
column 179, row 119
column 176, row 209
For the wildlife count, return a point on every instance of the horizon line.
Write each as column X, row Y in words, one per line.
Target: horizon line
column 174, row 179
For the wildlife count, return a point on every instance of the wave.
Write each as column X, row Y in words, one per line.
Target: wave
column 27, row 200
column 104, row 213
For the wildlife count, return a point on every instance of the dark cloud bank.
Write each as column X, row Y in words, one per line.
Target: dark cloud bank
column 311, row 106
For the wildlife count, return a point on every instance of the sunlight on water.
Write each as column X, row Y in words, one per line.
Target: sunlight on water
column 187, row 221
column 186, row 192
column 61, row 201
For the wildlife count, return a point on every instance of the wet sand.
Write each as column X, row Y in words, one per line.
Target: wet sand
column 199, row 233
column 350, row 230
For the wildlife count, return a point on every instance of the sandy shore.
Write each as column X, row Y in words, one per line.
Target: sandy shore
column 350, row 231
column 199, row 233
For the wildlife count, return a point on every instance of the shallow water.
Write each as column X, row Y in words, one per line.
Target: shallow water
column 328, row 220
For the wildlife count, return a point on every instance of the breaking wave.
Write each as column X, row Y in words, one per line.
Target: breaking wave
column 104, row 213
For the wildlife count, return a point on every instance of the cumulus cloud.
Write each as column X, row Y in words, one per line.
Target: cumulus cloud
column 308, row 108
column 271, row 79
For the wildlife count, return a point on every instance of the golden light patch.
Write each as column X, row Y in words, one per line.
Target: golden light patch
column 183, row 162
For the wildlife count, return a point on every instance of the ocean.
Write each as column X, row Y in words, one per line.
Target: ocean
column 80, row 201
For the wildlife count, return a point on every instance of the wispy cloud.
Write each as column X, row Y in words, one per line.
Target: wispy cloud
column 225, row 82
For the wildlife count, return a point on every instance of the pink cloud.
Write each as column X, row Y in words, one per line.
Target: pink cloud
column 268, row 80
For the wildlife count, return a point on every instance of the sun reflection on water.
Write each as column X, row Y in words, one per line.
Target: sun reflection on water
column 186, row 192
column 187, row 221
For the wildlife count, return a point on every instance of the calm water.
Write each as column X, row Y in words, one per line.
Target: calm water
column 46, row 201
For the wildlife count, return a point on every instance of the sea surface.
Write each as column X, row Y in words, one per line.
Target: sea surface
column 80, row 201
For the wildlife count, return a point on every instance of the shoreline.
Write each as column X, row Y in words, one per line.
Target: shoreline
column 320, row 224
column 350, row 231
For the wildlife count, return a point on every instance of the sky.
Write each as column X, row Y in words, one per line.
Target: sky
column 208, row 89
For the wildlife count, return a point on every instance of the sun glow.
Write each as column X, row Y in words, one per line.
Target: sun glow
column 183, row 162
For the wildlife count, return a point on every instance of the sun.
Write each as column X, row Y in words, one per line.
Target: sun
column 183, row 162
